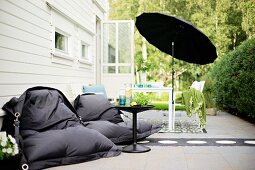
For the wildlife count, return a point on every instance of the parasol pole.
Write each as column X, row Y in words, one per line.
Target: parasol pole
column 173, row 107
column 172, row 72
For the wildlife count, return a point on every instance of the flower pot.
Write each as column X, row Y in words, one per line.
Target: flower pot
column 11, row 163
column 211, row 111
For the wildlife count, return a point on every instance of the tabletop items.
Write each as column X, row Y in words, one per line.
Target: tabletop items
column 128, row 98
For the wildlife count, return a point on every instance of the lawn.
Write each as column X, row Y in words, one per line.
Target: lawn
column 163, row 105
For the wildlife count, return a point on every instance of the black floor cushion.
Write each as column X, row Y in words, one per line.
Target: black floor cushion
column 99, row 114
column 52, row 133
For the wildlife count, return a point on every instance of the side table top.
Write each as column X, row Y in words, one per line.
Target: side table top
column 135, row 108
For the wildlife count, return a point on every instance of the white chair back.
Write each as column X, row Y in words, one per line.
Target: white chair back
column 198, row 85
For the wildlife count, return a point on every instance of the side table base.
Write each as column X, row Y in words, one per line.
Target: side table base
column 136, row 148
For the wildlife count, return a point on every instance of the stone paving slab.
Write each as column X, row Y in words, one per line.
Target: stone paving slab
column 224, row 126
column 182, row 158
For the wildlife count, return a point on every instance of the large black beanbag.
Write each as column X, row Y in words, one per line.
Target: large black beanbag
column 52, row 132
column 92, row 107
column 101, row 116
column 67, row 146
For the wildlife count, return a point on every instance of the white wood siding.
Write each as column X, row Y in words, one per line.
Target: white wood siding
column 26, row 58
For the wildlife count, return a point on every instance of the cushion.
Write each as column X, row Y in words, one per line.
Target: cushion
column 52, row 132
column 123, row 131
column 99, row 114
column 92, row 107
column 68, row 146
column 97, row 89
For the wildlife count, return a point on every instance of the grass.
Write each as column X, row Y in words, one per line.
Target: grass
column 163, row 105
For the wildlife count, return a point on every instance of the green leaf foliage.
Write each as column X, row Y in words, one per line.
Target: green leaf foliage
column 227, row 23
column 141, row 99
column 235, row 80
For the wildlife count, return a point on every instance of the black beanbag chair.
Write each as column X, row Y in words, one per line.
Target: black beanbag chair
column 99, row 114
column 52, row 132
column 93, row 107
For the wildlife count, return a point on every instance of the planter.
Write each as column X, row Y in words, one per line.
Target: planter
column 211, row 111
column 11, row 163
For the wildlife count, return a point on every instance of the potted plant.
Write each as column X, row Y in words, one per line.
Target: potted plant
column 8, row 151
column 140, row 99
column 210, row 101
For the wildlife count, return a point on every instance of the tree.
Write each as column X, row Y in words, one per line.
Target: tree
column 227, row 23
column 247, row 8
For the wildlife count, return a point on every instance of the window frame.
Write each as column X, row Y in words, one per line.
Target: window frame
column 85, row 59
column 117, row 64
column 66, row 54
column 65, row 38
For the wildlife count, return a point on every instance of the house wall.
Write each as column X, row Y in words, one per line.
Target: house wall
column 27, row 53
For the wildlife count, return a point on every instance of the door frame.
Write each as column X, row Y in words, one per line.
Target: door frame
column 115, row 81
column 98, row 68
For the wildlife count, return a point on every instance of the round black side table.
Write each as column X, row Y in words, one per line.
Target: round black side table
column 134, row 147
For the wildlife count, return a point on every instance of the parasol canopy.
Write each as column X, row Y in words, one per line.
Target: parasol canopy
column 190, row 44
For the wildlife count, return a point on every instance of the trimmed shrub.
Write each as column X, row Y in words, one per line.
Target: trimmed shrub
column 234, row 76
column 209, row 89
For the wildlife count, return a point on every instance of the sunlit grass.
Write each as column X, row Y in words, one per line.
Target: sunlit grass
column 163, row 105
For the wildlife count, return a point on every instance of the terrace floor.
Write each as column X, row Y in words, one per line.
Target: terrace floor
column 184, row 156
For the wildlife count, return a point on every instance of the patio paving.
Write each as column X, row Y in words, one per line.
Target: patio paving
column 187, row 157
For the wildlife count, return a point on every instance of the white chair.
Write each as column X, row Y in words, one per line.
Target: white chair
column 198, row 85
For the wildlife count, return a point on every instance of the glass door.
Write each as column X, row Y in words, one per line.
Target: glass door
column 117, row 54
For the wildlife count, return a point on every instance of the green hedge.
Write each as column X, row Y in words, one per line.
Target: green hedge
column 234, row 75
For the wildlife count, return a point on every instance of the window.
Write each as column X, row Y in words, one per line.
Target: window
column 71, row 42
column 84, row 52
column 111, row 55
column 117, row 47
column 124, row 69
column 62, row 46
column 61, row 42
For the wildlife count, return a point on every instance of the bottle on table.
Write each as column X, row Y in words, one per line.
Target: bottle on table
column 128, row 94
column 122, row 98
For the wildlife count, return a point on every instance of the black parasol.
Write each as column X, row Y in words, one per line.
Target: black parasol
column 176, row 37
column 190, row 44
